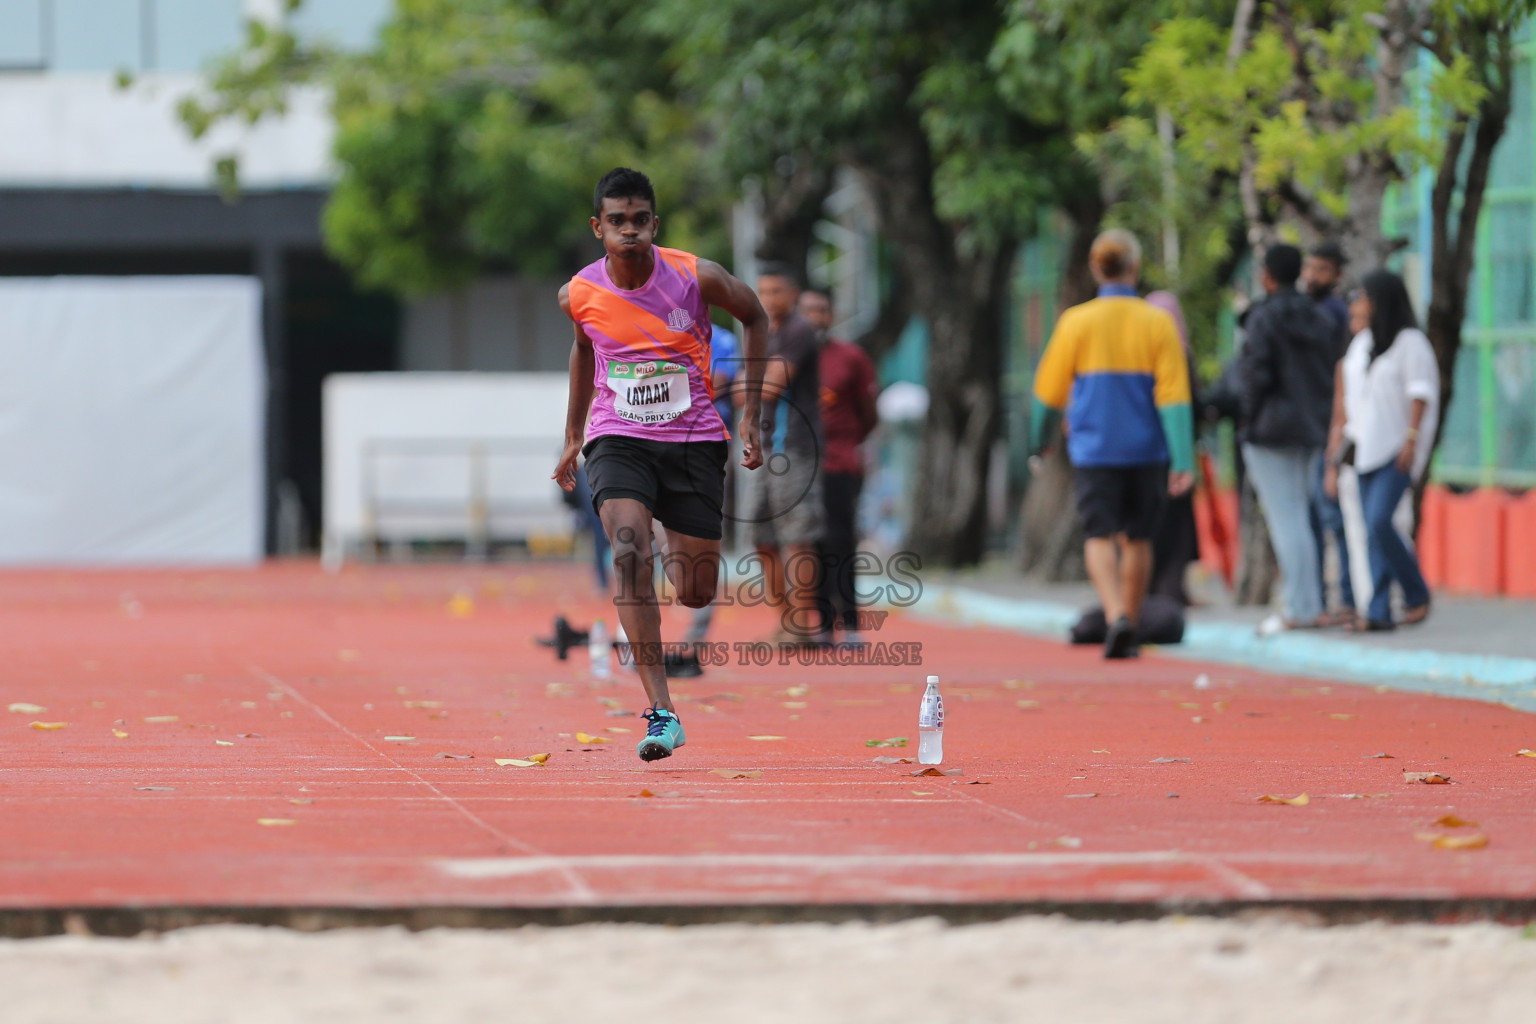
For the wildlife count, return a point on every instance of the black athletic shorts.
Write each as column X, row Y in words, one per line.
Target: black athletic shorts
column 681, row 482
column 1112, row 500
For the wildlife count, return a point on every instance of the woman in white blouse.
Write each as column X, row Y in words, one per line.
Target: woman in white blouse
column 1390, row 388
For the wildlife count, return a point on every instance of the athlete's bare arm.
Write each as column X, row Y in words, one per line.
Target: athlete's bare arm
column 720, row 289
column 580, row 399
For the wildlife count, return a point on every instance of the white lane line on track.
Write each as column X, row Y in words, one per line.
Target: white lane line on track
column 580, row 891
column 510, row 867
column 1246, row 885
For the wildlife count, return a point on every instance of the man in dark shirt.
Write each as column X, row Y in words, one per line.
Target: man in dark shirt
column 787, row 517
column 1285, row 374
column 1320, row 277
column 847, row 417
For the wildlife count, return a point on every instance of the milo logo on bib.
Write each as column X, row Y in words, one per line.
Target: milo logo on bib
column 650, row 392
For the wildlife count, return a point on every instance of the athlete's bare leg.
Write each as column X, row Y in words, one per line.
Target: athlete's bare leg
column 628, row 525
column 693, row 566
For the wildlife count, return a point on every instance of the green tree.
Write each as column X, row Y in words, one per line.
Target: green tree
column 1307, row 105
column 959, row 118
column 469, row 138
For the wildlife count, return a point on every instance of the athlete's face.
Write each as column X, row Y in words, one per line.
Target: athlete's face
column 627, row 227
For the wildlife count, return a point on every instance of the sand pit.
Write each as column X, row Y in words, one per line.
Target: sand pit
column 1179, row 971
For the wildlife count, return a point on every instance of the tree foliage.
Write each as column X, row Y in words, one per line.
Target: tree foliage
column 468, row 138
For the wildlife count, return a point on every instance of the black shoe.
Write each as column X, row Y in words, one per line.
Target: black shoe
column 682, row 666
column 1121, row 641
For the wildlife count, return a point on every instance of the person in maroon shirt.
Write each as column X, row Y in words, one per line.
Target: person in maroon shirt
column 847, row 417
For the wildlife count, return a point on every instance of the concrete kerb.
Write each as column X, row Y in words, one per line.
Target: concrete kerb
column 1492, row 678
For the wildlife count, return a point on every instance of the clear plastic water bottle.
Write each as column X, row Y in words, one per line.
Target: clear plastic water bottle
column 599, row 650
column 930, row 725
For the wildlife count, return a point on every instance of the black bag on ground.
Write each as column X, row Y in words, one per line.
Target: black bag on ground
column 1162, row 622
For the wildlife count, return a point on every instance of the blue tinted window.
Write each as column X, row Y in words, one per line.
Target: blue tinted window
column 191, row 33
column 353, row 24
column 21, row 33
column 96, row 35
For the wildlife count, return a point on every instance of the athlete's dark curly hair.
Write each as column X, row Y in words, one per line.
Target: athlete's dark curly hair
column 623, row 183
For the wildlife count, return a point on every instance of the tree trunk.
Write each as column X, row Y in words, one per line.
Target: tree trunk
column 792, row 205
column 1452, row 254
column 961, row 296
column 1051, row 538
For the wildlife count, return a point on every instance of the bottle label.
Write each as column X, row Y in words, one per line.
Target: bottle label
column 932, row 715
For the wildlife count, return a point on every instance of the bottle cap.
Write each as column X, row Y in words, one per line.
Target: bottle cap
column 933, row 680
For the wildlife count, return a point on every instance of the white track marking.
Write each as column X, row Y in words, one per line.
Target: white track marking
column 510, row 867
column 580, row 891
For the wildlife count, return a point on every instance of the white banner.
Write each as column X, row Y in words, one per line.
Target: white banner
column 131, row 412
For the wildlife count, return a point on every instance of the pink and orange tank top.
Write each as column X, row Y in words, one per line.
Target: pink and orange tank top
column 652, row 352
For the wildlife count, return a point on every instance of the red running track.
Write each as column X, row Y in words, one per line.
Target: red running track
column 270, row 778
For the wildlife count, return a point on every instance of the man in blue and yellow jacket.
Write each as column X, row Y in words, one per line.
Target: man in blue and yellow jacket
column 1116, row 367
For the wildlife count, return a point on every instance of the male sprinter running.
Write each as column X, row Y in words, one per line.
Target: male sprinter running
column 658, row 447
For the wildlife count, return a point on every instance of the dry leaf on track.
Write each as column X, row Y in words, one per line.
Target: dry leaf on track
column 50, row 726
column 1384, row 754
column 932, row 771
column 1451, row 821
column 765, row 738
column 23, row 708
column 158, row 719
column 516, row 762
column 921, row 792
column 726, row 773
column 1169, row 760
column 892, row 760
column 223, row 743
column 1518, row 753
column 1294, row 801
column 1428, row 778
column 276, row 821
column 1475, row 841
column 588, row 738
column 399, row 739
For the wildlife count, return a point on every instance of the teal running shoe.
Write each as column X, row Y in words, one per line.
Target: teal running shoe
column 663, row 734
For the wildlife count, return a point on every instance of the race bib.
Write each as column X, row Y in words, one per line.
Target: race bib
column 649, row 392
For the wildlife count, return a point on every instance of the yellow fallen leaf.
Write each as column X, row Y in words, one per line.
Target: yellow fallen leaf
column 1189, row 706
column 49, row 725
column 119, row 734
column 1451, row 821
column 23, row 708
column 517, row 762
column 1028, row 704
column 1521, row 753
column 645, row 793
column 1475, row 841
column 1428, row 778
column 765, row 737
column 1296, row 801
column 794, row 705
column 588, row 738
column 1101, row 751
column 303, row 801
column 462, row 606
column 1341, row 717
column 616, row 728
column 277, row 821
column 537, row 758
column 161, row 719
column 423, row 703
column 921, row 792
column 224, row 743
column 797, row 691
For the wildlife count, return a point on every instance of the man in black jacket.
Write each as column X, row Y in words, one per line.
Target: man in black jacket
column 1285, row 374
